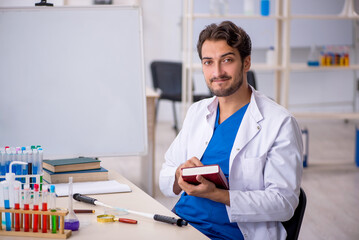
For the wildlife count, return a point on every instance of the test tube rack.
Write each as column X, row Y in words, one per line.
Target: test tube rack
column 61, row 233
column 36, row 177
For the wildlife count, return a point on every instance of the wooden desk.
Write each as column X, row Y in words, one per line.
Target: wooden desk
column 137, row 200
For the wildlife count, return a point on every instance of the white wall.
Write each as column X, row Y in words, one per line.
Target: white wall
column 162, row 26
column 162, row 41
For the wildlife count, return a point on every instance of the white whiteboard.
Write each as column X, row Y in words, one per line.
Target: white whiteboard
column 72, row 80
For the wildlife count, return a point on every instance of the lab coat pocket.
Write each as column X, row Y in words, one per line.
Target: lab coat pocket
column 253, row 169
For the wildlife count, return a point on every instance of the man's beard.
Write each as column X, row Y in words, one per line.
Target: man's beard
column 228, row 91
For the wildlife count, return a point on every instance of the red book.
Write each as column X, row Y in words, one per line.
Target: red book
column 212, row 173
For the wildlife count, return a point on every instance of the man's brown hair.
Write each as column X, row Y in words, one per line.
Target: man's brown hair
column 235, row 37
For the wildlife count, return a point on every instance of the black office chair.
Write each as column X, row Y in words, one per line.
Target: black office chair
column 292, row 226
column 167, row 76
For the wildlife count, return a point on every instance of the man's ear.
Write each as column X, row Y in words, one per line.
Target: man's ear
column 247, row 63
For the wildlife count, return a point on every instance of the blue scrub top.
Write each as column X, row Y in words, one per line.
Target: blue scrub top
column 208, row 216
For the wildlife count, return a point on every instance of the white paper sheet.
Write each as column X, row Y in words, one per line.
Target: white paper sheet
column 98, row 187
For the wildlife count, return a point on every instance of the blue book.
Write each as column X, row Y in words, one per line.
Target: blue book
column 99, row 174
column 71, row 164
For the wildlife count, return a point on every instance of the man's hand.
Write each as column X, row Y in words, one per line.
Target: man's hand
column 192, row 162
column 206, row 189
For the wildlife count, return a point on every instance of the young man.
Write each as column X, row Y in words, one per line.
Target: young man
column 256, row 142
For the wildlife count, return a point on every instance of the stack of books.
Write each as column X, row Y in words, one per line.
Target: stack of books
column 81, row 169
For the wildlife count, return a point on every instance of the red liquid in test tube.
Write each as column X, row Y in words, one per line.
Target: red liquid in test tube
column 36, row 208
column 44, row 208
column 17, row 206
column 26, row 207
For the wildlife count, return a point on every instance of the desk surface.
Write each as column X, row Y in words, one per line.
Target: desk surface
column 137, row 200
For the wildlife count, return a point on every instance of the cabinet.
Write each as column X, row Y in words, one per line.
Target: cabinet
column 281, row 18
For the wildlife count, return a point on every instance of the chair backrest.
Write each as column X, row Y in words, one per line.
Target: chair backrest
column 251, row 79
column 167, row 76
column 292, row 226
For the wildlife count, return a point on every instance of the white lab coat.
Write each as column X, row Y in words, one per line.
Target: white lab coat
column 265, row 165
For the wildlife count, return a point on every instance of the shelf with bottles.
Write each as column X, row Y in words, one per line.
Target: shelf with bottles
column 250, row 9
column 328, row 58
column 305, row 67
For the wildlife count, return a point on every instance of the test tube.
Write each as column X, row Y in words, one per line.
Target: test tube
column 44, row 208
column 35, row 161
column 23, row 159
column 35, row 164
column 12, row 158
column 29, row 161
column 41, row 157
column 53, row 208
column 7, row 158
column 26, row 206
column 17, row 206
column 36, row 208
column 18, row 167
column 3, row 163
column 7, row 206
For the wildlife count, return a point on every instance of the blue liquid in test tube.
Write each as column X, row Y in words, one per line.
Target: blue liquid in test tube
column 7, row 159
column 24, row 159
column 18, row 167
column 7, row 206
column 2, row 163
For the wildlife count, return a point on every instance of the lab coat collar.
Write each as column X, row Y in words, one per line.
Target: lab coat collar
column 212, row 106
column 212, row 111
column 249, row 128
column 252, row 107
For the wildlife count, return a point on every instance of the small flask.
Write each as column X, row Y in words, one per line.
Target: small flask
column 346, row 56
column 313, row 58
column 223, row 7
column 214, row 7
column 265, row 7
column 323, row 56
column 248, row 7
column 270, row 56
column 71, row 220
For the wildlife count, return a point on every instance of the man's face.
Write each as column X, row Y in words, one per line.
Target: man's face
column 222, row 67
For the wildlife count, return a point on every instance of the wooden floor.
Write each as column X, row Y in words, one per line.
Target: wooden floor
column 331, row 181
